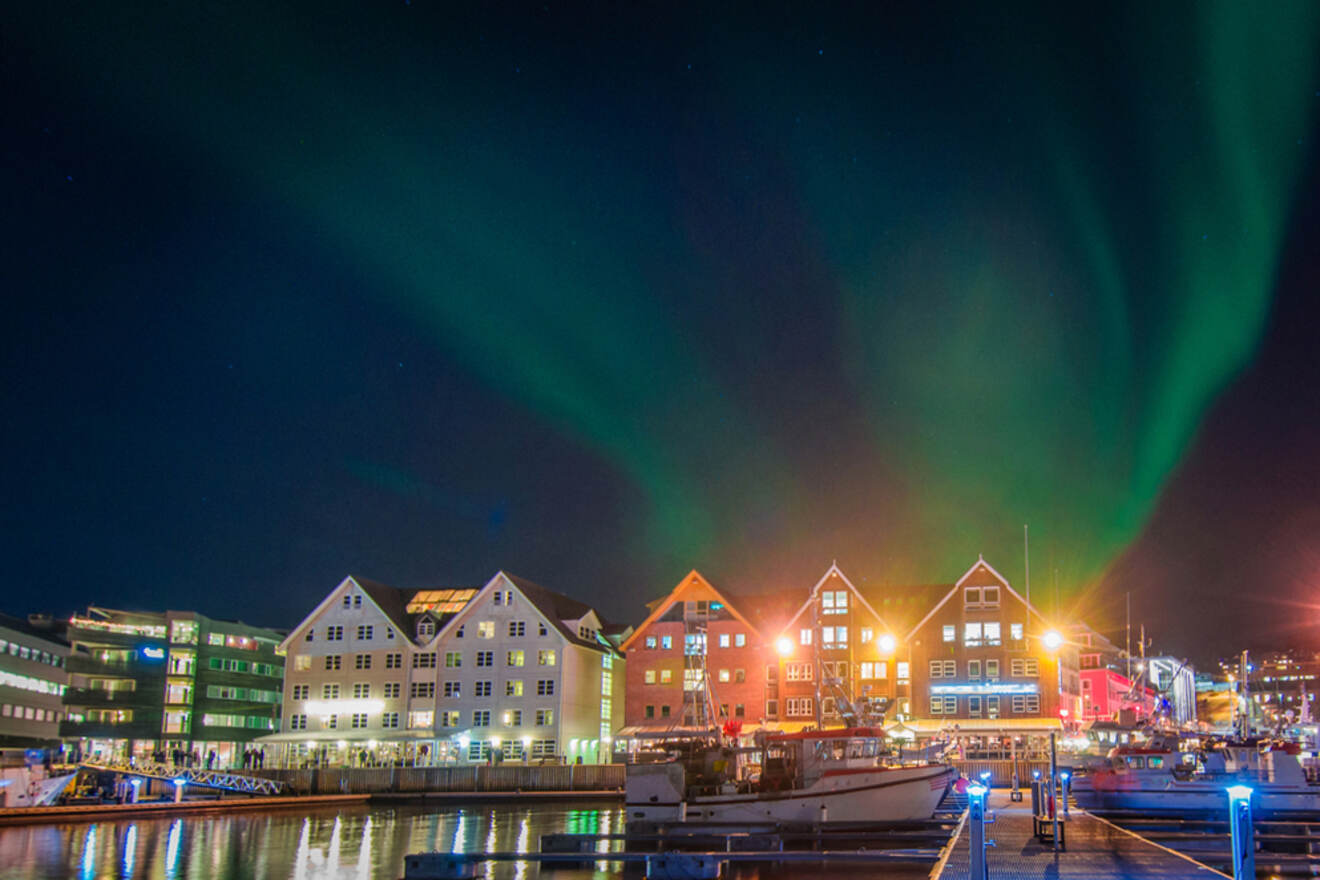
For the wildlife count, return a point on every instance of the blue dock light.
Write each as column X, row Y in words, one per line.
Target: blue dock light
column 179, row 782
column 1244, row 837
column 1035, row 774
column 976, row 821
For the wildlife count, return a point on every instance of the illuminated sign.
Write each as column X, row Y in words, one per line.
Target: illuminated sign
column 992, row 688
column 151, row 653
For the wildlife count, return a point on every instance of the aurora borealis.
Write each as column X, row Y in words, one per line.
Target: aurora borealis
column 598, row 297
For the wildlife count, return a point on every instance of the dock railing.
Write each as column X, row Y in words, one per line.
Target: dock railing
column 474, row 778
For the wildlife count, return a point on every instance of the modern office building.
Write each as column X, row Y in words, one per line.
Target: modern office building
column 33, row 678
column 506, row 671
column 148, row 682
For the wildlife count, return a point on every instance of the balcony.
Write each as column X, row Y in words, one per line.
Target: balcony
column 94, row 697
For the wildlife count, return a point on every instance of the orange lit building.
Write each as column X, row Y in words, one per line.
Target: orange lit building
column 696, row 662
column 834, row 642
column 987, row 667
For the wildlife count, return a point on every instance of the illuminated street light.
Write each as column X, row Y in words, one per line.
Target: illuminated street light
column 887, row 644
column 784, row 646
column 1052, row 640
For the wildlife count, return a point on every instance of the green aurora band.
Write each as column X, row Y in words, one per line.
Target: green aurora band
column 1033, row 350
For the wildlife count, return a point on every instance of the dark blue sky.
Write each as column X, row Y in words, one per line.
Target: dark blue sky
column 598, row 296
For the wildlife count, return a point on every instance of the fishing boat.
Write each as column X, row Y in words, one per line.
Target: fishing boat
column 1176, row 776
column 836, row 775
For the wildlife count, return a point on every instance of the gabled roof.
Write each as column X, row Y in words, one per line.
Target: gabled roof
column 692, row 583
column 557, row 608
column 978, row 567
column 835, row 571
column 390, row 601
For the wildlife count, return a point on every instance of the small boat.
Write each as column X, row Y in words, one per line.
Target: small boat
column 838, row 775
column 1176, row 777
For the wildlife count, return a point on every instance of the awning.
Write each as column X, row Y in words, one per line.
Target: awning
column 382, row 736
column 650, row 731
column 929, row 726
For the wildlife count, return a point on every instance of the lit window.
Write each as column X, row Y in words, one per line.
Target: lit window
column 486, row 629
column 972, row 635
column 804, row 637
column 950, row 632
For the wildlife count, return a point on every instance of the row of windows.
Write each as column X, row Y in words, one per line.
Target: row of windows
column 23, row 652
column 987, row 633
column 454, row 689
column 248, row 722
column 392, row 690
column 422, row 660
column 1019, row 667
column 28, row 713
column 253, row 695
column 226, row 664
column 1021, row 704
column 739, row 711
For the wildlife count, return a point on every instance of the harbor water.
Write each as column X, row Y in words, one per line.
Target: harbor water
column 361, row 843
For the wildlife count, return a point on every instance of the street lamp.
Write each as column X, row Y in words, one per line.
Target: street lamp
column 887, row 644
column 784, row 645
column 1052, row 640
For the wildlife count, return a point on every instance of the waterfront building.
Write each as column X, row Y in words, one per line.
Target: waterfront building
column 835, row 650
column 695, row 663
column 1107, row 693
column 33, row 678
column 987, row 667
column 146, row 683
column 1174, row 681
column 507, row 671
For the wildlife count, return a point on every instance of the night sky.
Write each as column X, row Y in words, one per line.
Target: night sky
column 424, row 290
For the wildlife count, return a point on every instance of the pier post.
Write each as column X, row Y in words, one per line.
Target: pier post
column 976, row 831
column 1244, row 837
column 1054, row 787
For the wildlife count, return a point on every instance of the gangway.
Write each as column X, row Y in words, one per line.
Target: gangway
column 223, row 780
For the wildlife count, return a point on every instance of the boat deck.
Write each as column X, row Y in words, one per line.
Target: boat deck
column 1097, row 850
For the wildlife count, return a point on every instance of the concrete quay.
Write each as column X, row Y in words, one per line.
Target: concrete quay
column 1096, row 850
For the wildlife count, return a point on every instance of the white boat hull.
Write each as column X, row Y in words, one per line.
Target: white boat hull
column 881, row 794
column 1173, row 796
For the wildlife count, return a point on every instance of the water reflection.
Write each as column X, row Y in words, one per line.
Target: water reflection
column 350, row 844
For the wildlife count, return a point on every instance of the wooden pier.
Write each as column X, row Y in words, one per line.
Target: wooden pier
column 1097, row 850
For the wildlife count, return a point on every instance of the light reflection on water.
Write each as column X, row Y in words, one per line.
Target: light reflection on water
column 362, row 843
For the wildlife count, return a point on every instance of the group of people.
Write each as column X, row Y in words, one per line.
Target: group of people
column 253, row 759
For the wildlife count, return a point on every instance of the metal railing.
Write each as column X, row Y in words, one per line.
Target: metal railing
column 219, row 779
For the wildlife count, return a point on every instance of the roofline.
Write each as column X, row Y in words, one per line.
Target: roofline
column 811, row 597
column 665, row 602
column 283, row 647
column 556, row 625
column 980, row 560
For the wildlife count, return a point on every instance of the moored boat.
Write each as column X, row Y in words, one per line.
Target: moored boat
column 1170, row 776
column 832, row 775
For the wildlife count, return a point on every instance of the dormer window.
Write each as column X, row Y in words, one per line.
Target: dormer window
column 425, row 628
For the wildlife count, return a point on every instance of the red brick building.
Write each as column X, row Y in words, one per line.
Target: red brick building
column 967, row 660
column 834, row 641
column 694, row 652
column 983, row 663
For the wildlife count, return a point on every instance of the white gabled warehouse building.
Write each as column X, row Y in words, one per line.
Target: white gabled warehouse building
column 378, row 675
